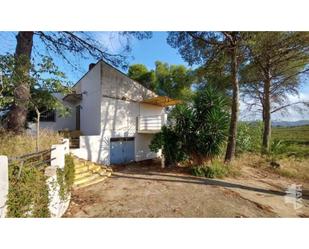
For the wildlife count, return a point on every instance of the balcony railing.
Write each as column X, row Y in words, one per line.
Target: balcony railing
column 150, row 124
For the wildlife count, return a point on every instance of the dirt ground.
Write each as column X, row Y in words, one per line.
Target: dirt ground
column 146, row 190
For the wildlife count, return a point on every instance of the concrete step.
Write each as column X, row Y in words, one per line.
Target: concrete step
column 81, row 169
column 97, row 170
column 92, row 168
column 86, row 172
column 106, row 173
column 82, row 175
column 86, row 179
column 94, row 181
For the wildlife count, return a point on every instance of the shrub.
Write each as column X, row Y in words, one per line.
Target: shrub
column 167, row 140
column 249, row 137
column 28, row 194
column 65, row 177
column 197, row 130
column 278, row 147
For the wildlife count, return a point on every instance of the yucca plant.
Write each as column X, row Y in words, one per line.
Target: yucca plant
column 199, row 128
column 211, row 121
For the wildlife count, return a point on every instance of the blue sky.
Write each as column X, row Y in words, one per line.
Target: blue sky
column 148, row 51
column 145, row 52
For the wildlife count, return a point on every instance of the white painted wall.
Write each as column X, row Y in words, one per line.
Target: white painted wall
column 90, row 113
column 118, row 85
column 118, row 117
column 150, row 110
column 142, row 151
column 4, row 184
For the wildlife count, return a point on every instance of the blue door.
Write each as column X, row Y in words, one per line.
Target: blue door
column 128, row 151
column 122, row 150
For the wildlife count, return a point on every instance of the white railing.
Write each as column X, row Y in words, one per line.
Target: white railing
column 150, row 124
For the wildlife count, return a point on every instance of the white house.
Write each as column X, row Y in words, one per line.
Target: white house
column 117, row 116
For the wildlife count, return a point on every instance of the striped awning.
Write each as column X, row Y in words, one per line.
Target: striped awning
column 162, row 101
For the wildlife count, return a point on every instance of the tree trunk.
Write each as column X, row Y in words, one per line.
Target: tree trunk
column 17, row 116
column 266, row 115
column 230, row 150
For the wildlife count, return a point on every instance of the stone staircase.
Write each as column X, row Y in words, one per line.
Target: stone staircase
column 88, row 173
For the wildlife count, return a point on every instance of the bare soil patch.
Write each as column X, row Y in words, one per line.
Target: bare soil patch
column 146, row 190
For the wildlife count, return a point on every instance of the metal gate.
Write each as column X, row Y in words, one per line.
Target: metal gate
column 122, row 150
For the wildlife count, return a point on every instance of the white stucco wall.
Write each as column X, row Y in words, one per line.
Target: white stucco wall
column 4, row 184
column 119, row 117
column 150, row 110
column 119, row 109
column 118, row 85
column 90, row 113
column 142, row 151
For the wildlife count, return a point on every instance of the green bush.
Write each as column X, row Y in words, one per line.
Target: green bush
column 278, row 147
column 197, row 130
column 28, row 194
column 216, row 170
column 168, row 140
column 249, row 137
column 65, row 177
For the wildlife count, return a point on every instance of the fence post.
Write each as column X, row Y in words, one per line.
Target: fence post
column 57, row 206
column 4, row 184
column 57, row 155
column 66, row 143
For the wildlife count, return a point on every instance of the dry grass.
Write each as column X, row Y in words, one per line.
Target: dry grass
column 291, row 167
column 17, row 145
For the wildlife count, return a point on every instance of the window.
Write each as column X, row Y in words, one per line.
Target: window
column 48, row 116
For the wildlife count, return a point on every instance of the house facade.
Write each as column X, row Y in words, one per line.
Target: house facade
column 116, row 116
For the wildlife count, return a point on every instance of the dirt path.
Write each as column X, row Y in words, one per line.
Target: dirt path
column 147, row 191
column 272, row 192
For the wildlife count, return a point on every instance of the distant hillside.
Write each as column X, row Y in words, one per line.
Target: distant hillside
column 290, row 123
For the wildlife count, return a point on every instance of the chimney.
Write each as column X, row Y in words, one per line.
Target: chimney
column 91, row 65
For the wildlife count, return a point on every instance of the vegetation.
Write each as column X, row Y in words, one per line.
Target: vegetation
column 201, row 48
column 168, row 141
column 249, row 137
column 65, row 177
column 197, row 130
column 277, row 62
column 14, row 145
column 294, row 139
column 174, row 81
column 214, row 170
column 28, row 193
column 291, row 167
column 44, row 80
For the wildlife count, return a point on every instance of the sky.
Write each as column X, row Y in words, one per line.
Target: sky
column 143, row 52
